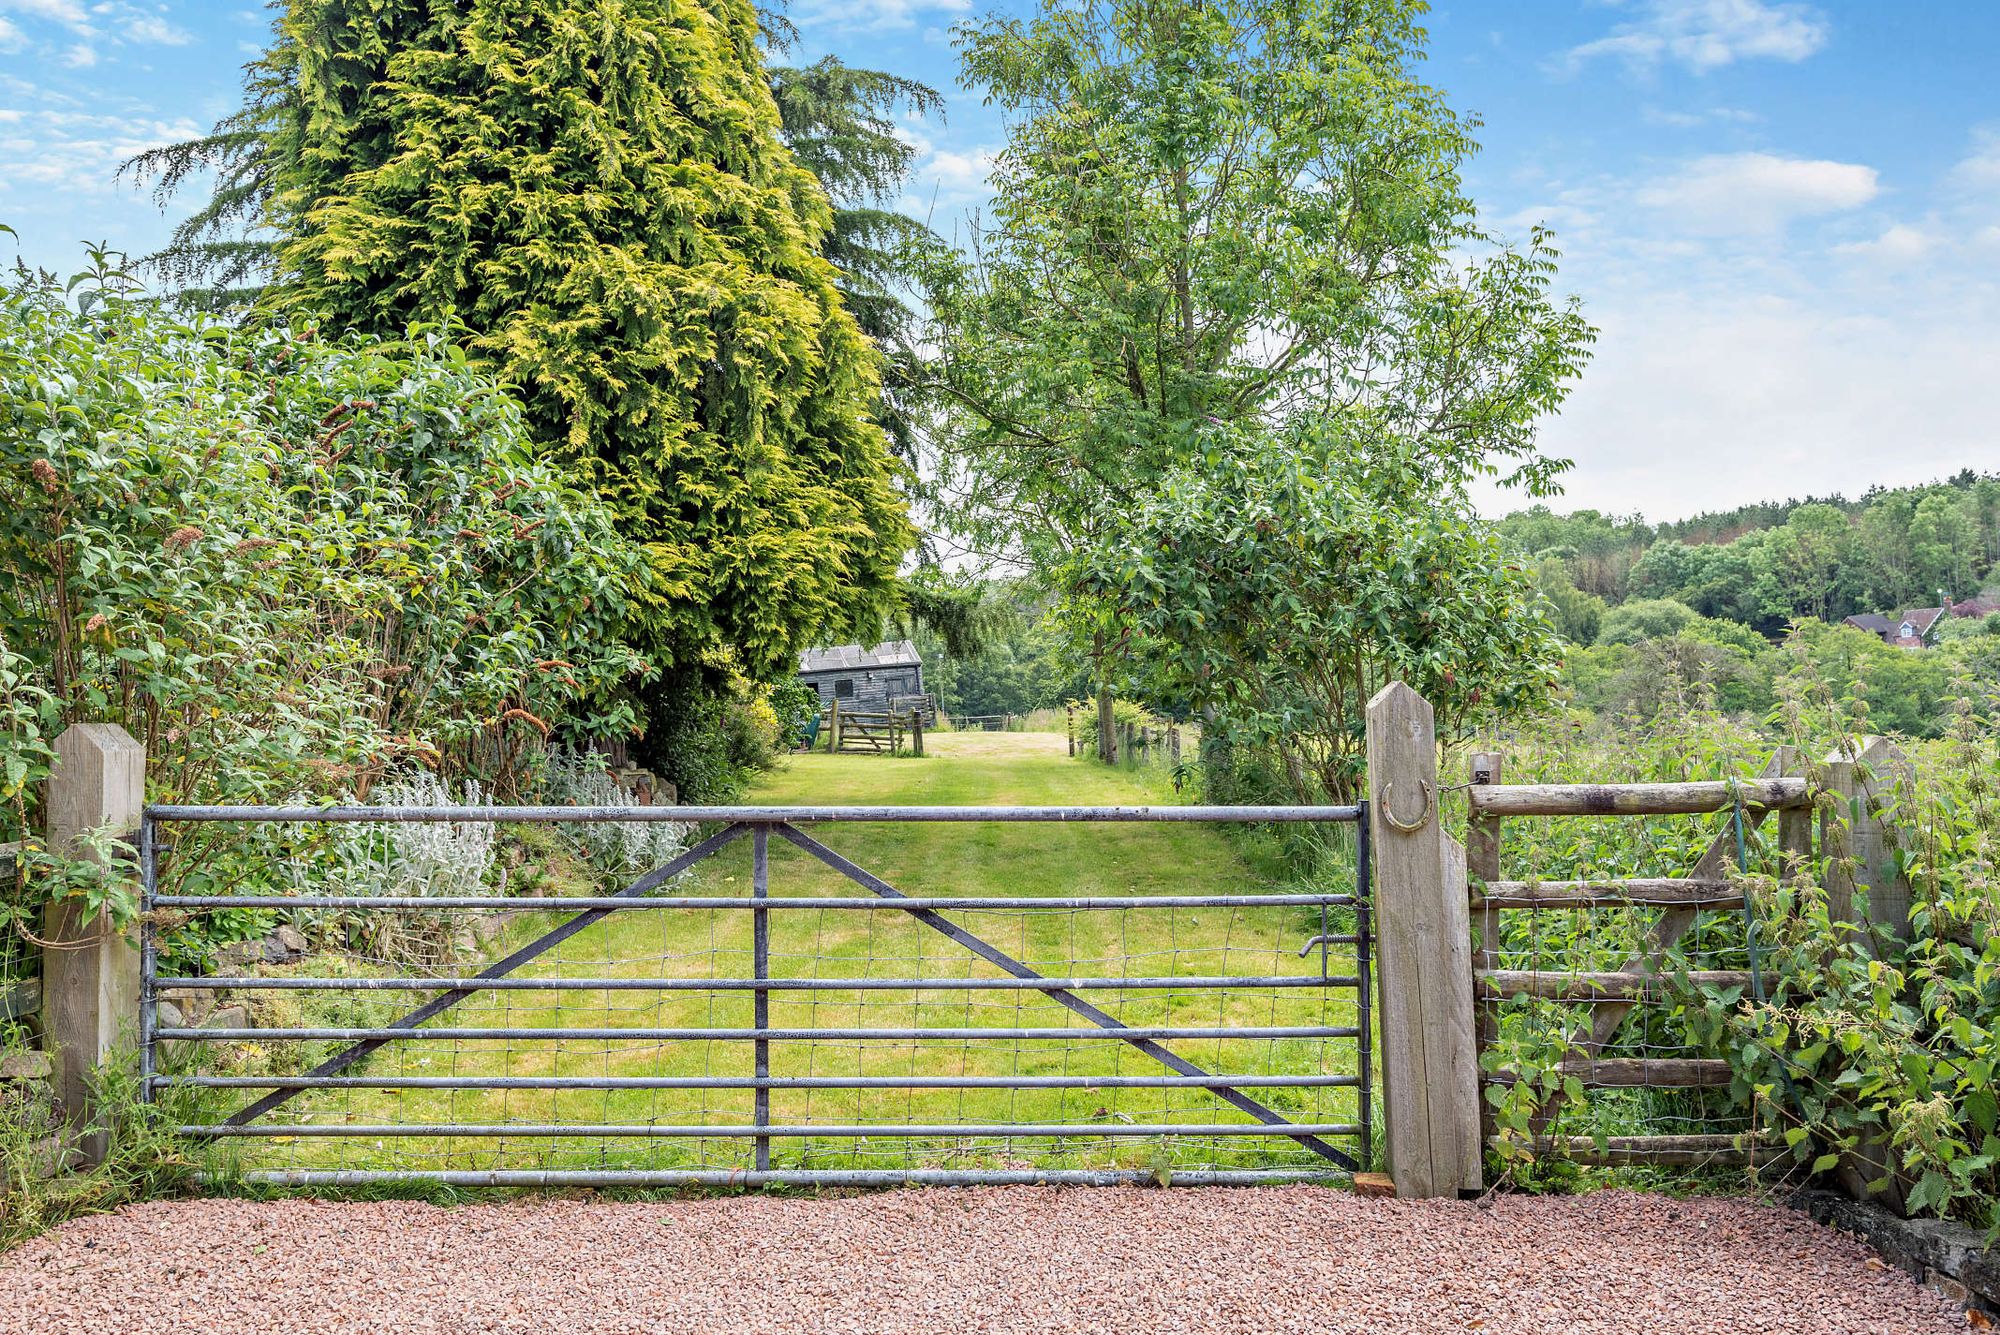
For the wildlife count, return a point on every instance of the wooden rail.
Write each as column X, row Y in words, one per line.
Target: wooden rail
column 1632, row 1072
column 1436, row 997
column 1680, row 892
column 1715, row 1151
column 1637, row 799
column 1609, row 985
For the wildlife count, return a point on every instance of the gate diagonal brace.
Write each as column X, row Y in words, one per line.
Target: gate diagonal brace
column 1166, row 1057
column 444, row 1001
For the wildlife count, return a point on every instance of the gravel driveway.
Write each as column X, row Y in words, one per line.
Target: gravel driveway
column 949, row 1261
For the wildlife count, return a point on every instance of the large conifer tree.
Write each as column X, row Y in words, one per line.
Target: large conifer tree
column 596, row 189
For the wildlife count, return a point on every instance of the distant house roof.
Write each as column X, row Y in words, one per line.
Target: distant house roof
column 1976, row 607
column 855, row 658
column 1907, row 629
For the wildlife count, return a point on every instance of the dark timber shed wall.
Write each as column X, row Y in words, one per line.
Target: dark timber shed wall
column 875, row 677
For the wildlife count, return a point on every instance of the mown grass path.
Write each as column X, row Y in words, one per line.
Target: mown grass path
column 1025, row 860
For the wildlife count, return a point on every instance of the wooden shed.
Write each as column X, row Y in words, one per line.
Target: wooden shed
column 888, row 678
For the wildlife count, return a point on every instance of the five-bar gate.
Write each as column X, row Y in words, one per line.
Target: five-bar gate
column 689, row 1033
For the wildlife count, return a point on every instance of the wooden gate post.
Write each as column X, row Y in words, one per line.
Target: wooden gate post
column 90, row 979
column 1423, row 957
column 1859, row 838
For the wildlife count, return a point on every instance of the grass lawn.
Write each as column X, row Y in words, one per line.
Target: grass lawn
column 919, row 859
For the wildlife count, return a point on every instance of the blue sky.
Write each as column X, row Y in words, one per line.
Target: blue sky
column 1784, row 217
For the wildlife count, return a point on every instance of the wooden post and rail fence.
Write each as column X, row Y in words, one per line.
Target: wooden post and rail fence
column 878, row 732
column 1438, row 910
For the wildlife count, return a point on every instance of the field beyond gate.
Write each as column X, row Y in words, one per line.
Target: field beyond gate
column 1071, row 994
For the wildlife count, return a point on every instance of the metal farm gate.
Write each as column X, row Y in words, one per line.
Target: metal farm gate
column 675, row 1034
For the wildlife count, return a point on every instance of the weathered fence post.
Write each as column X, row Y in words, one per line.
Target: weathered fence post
column 90, row 975
column 833, row 726
column 1424, row 957
column 1174, row 744
column 1069, row 726
column 917, row 733
column 1858, row 838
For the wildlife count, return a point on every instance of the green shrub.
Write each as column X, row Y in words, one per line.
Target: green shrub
column 1287, row 576
column 289, row 564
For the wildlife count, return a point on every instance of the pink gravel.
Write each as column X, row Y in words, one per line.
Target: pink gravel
column 998, row 1259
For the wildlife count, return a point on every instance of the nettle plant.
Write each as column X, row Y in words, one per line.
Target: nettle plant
column 1872, row 1054
column 1877, row 1050
column 289, row 563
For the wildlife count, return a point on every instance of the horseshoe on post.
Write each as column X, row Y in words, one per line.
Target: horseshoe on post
column 1398, row 823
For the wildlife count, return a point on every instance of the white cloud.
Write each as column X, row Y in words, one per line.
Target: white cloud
column 153, row 28
column 80, row 56
column 1689, row 120
column 871, row 15
column 1739, row 362
column 75, row 153
column 958, row 171
column 10, row 36
column 59, row 11
column 1900, row 243
column 1568, row 220
column 1697, row 403
column 1980, row 168
column 130, row 23
column 1707, row 34
column 945, row 181
column 1747, row 193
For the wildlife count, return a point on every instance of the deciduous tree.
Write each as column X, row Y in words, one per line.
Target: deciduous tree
column 1278, row 581
column 1233, row 212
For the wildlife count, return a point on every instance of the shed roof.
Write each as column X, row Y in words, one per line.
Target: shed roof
column 855, row 658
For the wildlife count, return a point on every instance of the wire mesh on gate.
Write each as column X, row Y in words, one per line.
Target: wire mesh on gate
column 784, row 1012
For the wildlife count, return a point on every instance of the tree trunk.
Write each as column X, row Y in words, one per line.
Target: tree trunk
column 1107, row 727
